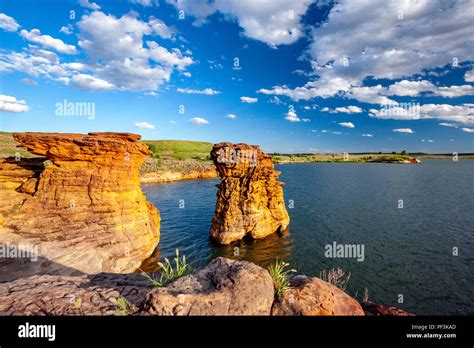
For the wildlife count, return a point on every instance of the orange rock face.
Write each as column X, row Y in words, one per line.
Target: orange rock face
column 249, row 198
column 85, row 210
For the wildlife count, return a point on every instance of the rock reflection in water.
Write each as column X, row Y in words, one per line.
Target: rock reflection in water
column 262, row 252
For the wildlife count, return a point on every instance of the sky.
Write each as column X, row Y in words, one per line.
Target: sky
column 294, row 76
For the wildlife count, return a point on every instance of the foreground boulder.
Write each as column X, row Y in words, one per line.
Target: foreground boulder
column 313, row 296
column 375, row 309
column 224, row 287
column 249, row 199
column 85, row 209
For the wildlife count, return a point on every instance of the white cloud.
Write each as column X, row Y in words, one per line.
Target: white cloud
column 403, row 130
column 231, row 116
column 48, row 41
column 349, row 109
column 116, row 52
column 368, row 135
column 89, row 5
column 347, row 124
column 306, row 119
column 8, row 23
column 199, row 120
column 161, row 29
column 187, row 74
column 68, row 30
column 346, row 52
column 144, row 3
column 468, row 130
column 292, row 117
column 248, row 100
column 206, row 91
column 463, row 114
column 469, row 76
column 445, row 124
column 145, row 125
column 89, row 82
column 274, row 22
column 11, row 104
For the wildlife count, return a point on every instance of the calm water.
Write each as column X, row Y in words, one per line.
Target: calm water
column 408, row 251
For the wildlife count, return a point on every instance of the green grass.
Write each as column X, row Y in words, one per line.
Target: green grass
column 8, row 147
column 279, row 276
column 181, row 150
column 168, row 273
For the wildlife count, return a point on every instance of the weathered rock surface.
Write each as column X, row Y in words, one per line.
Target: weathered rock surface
column 224, row 287
column 85, row 210
column 375, row 309
column 67, row 295
column 313, row 296
column 249, row 199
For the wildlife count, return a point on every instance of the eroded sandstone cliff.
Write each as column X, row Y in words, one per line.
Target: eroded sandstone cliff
column 249, row 198
column 85, row 209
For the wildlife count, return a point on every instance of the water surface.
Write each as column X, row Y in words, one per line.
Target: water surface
column 408, row 251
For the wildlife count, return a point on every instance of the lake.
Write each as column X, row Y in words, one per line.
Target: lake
column 407, row 217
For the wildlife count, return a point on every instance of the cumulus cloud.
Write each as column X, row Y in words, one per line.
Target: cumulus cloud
column 89, row 82
column 469, row 76
column 199, row 120
column 231, row 116
column 368, row 135
column 463, row 114
column 274, row 22
column 206, row 91
column 89, row 5
column 68, row 29
column 8, row 23
column 403, row 130
column 352, row 109
column 145, row 125
column 346, row 52
column 11, row 104
column 445, row 124
column 118, row 54
column 468, row 130
column 292, row 117
column 248, row 100
column 347, row 124
column 48, row 41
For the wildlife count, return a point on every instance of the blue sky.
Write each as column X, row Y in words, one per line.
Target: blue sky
column 311, row 76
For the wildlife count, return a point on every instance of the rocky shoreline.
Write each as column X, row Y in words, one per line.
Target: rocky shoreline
column 224, row 287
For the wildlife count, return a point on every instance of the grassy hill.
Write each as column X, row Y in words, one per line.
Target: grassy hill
column 180, row 150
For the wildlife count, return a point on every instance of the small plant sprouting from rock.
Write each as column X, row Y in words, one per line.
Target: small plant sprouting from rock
column 366, row 296
column 124, row 308
column 168, row 273
column 336, row 277
column 279, row 275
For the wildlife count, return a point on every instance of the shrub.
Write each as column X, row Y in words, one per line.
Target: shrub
column 279, row 276
column 336, row 277
column 168, row 273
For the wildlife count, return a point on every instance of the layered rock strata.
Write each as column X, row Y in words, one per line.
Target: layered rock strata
column 85, row 209
column 249, row 198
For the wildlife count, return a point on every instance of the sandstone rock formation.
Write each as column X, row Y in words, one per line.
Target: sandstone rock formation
column 85, row 210
column 224, row 287
column 249, row 198
column 313, row 296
